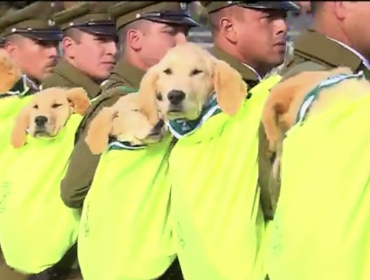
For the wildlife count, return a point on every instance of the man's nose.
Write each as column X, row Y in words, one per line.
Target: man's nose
column 111, row 48
column 281, row 25
column 52, row 51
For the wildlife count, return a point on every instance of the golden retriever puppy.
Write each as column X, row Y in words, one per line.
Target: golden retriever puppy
column 184, row 81
column 124, row 122
column 283, row 104
column 47, row 112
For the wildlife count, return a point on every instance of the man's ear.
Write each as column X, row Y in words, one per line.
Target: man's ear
column 10, row 47
column 78, row 99
column 69, row 47
column 227, row 27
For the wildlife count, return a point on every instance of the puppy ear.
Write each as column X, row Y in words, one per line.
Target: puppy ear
column 10, row 73
column 19, row 134
column 229, row 87
column 99, row 130
column 147, row 95
column 78, row 99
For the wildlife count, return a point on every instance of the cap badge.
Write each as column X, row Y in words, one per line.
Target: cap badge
column 51, row 22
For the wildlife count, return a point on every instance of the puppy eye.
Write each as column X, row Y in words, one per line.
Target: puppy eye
column 56, row 105
column 159, row 96
column 168, row 71
column 35, row 107
column 135, row 110
column 195, row 72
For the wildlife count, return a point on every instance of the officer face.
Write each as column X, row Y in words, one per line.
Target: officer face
column 258, row 35
column 157, row 38
column 353, row 19
column 36, row 58
column 92, row 54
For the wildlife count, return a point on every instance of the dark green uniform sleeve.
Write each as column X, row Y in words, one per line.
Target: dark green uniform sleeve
column 83, row 163
column 79, row 176
column 269, row 187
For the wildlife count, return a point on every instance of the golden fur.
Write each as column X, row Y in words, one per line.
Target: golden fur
column 196, row 73
column 55, row 105
column 125, row 122
column 10, row 73
column 286, row 98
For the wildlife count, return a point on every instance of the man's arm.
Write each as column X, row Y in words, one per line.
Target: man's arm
column 82, row 165
column 269, row 187
column 80, row 173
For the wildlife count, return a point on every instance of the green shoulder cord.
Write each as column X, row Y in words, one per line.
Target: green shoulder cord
column 128, row 89
column 20, row 89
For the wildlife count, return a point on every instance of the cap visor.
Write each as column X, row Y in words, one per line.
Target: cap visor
column 44, row 36
column 101, row 30
column 279, row 5
column 176, row 20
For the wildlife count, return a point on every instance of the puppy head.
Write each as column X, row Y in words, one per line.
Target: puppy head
column 10, row 73
column 125, row 122
column 48, row 112
column 182, row 82
column 285, row 99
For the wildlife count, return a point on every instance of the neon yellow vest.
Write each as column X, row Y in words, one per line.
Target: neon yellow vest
column 9, row 108
column 218, row 221
column 36, row 228
column 125, row 231
column 322, row 228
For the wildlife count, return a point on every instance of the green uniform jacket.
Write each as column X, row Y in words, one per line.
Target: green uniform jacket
column 314, row 51
column 66, row 75
column 268, row 191
column 83, row 163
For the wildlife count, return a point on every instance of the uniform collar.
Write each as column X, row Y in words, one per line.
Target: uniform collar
column 128, row 72
column 249, row 75
column 318, row 48
column 77, row 78
column 253, row 70
column 363, row 59
column 34, row 86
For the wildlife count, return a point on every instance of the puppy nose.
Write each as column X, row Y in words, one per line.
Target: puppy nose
column 41, row 120
column 176, row 96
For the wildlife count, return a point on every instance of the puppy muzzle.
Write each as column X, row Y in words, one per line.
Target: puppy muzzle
column 40, row 126
column 176, row 98
column 40, row 121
